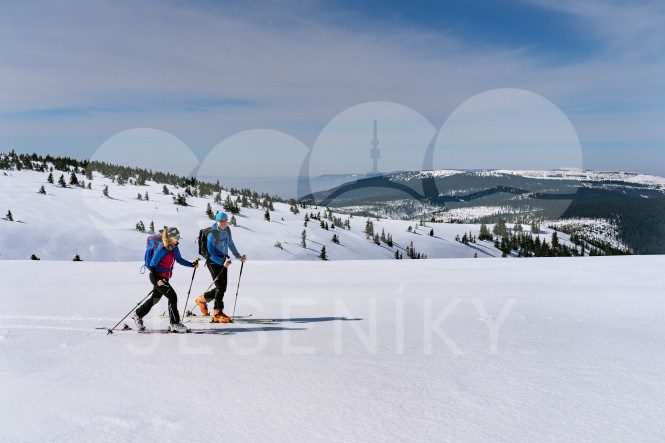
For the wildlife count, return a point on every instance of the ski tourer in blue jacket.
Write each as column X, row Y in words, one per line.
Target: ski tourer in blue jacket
column 219, row 242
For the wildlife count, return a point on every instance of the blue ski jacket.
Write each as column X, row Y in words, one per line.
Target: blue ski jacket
column 218, row 245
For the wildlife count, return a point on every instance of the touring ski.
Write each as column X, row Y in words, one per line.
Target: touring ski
column 206, row 316
column 167, row 331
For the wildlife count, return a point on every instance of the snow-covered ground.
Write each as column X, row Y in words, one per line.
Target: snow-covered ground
column 72, row 220
column 563, row 349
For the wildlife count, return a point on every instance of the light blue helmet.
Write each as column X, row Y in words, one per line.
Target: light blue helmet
column 221, row 216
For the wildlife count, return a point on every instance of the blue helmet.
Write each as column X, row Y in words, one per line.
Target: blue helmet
column 221, row 216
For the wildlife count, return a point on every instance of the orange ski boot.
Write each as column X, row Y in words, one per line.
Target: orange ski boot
column 220, row 317
column 203, row 306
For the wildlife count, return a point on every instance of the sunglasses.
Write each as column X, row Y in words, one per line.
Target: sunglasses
column 177, row 237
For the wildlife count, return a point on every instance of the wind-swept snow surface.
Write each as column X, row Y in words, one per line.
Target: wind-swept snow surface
column 422, row 350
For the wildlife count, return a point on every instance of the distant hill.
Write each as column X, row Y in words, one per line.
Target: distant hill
column 61, row 208
column 634, row 202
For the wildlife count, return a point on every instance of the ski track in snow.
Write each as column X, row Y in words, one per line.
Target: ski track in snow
column 370, row 350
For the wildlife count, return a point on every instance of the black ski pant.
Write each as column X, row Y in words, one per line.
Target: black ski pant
column 219, row 275
column 167, row 291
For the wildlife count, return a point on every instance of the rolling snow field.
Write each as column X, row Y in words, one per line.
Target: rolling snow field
column 567, row 349
column 72, row 220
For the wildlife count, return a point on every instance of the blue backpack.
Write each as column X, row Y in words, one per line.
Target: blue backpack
column 151, row 245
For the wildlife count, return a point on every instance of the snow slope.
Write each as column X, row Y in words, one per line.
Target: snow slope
column 72, row 220
column 375, row 350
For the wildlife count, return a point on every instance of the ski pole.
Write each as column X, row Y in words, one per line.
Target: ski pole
column 190, row 289
column 137, row 305
column 238, row 288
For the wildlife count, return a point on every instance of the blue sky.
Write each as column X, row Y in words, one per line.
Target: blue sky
column 499, row 24
column 76, row 74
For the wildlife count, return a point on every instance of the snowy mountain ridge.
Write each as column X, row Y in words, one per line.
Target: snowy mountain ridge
column 567, row 174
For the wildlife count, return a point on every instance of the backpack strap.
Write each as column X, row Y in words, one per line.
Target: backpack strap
column 215, row 234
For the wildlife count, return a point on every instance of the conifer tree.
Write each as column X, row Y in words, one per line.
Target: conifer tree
column 89, row 185
column 152, row 227
column 323, row 255
column 50, row 178
column 504, row 247
column 61, row 181
column 303, row 243
column 181, row 200
column 484, row 233
column 77, row 258
column 139, row 196
column 34, row 257
column 165, row 190
column 500, row 227
column 233, row 221
column 411, row 251
column 209, row 212
column 73, row 180
column 42, row 190
column 230, row 206
column 146, row 197
column 535, row 229
column 335, row 239
column 266, row 215
column 9, row 216
column 369, row 228
column 555, row 241
column 106, row 191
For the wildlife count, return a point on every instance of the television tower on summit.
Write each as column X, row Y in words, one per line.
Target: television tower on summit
column 374, row 154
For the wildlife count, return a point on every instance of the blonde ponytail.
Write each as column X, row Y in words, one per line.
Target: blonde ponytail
column 166, row 240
